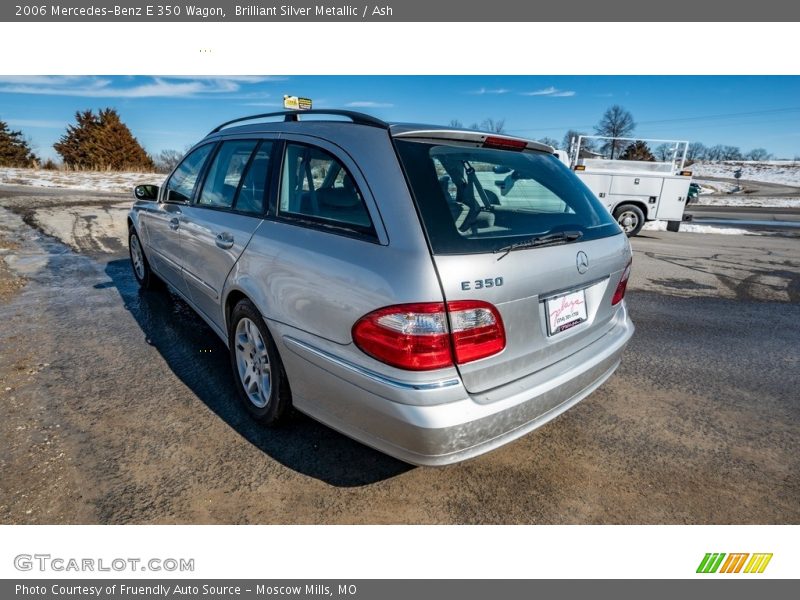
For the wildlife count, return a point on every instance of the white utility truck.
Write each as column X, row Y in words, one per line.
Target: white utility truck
column 634, row 191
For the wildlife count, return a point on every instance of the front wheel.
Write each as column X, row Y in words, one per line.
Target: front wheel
column 630, row 217
column 141, row 268
column 260, row 378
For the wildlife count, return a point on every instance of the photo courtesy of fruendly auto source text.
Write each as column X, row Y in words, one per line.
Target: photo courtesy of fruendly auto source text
column 405, row 269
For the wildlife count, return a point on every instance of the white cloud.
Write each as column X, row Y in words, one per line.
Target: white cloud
column 36, row 123
column 158, row 87
column 236, row 78
column 36, row 79
column 496, row 91
column 369, row 104
column 543, row 92
column 551, row 91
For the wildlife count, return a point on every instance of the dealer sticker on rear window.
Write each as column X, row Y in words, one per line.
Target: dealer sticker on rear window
column 565, row 311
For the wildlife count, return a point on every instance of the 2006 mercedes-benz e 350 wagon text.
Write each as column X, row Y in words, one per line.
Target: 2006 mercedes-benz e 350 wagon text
column 431, row 292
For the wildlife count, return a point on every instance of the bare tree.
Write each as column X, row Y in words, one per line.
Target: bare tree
column 664, row 152
column 731, row 153
column 493, row 125
column 616, row 122
column 758, row 154
column 456, row 124
column 549, row 141
column 715, row 152
column 168, row 160
column 695, row 151
column 571, row 135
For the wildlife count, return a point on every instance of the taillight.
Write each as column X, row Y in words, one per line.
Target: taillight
column 417, row 337
column 477, row 330
column 619, row 293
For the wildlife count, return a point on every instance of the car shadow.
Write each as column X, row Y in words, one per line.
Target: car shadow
column 200, row 360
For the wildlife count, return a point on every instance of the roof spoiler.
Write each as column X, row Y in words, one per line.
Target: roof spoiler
column 476, row 137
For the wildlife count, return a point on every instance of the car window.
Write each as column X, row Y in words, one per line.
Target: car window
column 475, row 200
column 254, row 184
column 225, row 173
column 181, row 185
column 315, row 186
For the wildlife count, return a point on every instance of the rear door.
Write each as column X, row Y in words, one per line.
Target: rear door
column 599, row 184
column 553, row 299
column 673, row 198
column 219, row 224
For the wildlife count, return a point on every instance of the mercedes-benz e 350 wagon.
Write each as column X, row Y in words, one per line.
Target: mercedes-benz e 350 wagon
column 431, row 292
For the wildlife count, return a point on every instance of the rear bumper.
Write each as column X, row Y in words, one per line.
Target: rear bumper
column 424, row 432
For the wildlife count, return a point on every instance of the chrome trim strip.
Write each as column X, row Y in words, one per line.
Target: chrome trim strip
column 345, row 364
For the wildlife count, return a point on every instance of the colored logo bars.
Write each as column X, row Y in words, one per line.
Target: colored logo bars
column 734, row 562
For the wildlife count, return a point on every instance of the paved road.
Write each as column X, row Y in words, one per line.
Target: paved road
column 756, row 218
column 758, row 188
column 116, row 406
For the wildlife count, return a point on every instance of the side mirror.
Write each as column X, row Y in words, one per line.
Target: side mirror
column 145, row 192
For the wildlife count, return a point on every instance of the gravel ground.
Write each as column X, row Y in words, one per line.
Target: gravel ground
column 117, row 406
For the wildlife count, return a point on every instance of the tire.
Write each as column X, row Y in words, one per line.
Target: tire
column 630, row 217
column 144, row 275
column 258, row 372
column 673, row 226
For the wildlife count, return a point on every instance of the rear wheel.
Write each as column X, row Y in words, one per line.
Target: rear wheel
column 260, row 378
column 630, row 217
column 673, row 226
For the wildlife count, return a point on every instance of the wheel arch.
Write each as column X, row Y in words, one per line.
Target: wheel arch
column 638, row 203
column 232, row 298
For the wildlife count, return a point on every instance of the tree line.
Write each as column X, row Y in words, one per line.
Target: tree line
column 101, row 141
column 97, row 141
column 618, row 122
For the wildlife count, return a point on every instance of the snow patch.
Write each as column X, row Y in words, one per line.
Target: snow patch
column 696, row 228
column 101, row 181
column 782, row 172
column 754, row 201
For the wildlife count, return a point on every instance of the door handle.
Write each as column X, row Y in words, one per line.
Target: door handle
column 174, row 223
column 224, row 240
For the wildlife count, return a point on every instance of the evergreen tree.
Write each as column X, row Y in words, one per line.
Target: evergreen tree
column 14, row 149
column 101, row 141
column 638, row 150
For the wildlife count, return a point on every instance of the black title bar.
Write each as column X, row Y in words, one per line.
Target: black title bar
column 601, row 12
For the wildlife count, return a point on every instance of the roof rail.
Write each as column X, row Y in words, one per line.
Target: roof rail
column 291, row 115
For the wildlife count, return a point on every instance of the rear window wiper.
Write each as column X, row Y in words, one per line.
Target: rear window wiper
column 562, row 237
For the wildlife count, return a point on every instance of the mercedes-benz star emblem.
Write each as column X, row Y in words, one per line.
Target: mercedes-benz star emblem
column 582, row 261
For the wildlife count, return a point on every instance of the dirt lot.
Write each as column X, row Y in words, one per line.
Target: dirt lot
column 117, row 406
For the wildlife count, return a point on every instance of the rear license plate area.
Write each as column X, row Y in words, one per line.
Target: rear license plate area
column 565, row 311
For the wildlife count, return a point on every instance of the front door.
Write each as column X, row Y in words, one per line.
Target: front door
column 162, row 223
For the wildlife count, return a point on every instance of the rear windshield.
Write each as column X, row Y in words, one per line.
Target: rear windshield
column 475, row 200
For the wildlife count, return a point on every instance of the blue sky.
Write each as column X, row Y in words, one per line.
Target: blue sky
column 174, row 112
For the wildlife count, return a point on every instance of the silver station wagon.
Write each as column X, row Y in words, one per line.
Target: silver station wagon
column 431, row 292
